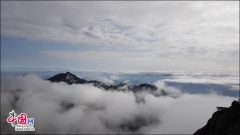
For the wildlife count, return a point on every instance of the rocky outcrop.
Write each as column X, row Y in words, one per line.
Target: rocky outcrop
column 67, row 78
column 225, row 121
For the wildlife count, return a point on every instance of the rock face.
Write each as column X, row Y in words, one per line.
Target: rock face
column 72, row 79
column 68, row 78
column 225, row 121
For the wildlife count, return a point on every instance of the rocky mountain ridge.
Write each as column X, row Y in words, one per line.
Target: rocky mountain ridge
column 70, row 78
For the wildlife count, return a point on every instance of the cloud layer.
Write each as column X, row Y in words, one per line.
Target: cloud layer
column 189, row 32
column 62, row 108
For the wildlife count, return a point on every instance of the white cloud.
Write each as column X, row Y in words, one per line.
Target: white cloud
column 170, row 90
column 106, row 80
column 235, row 87
column 95, row 55
column 188, row 113
column 114, row 77
column 98, row 111
column 225, row 80
column 175, row 31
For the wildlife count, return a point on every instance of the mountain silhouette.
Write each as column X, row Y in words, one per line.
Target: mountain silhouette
column 225, row 121
column 70, row 78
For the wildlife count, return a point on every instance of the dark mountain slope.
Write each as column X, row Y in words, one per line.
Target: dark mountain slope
column 225, row 121
column 68, row 78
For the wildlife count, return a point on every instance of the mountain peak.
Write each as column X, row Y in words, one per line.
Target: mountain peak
column 68, row 78
column 68, row 73
column 73, row 79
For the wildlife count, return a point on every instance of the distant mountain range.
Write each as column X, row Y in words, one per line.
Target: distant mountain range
column 70, row 78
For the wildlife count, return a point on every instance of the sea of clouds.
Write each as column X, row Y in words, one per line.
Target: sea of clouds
column 63, row 109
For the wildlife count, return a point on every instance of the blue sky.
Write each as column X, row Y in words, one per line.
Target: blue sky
column 24, row 53
column 135, row 36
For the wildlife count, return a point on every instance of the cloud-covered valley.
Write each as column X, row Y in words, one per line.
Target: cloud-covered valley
column 83, row 108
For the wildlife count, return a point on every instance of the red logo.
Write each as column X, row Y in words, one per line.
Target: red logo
column 21, row 118
column 23, row 122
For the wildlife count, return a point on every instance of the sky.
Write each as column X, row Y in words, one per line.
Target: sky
column 121, row 35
